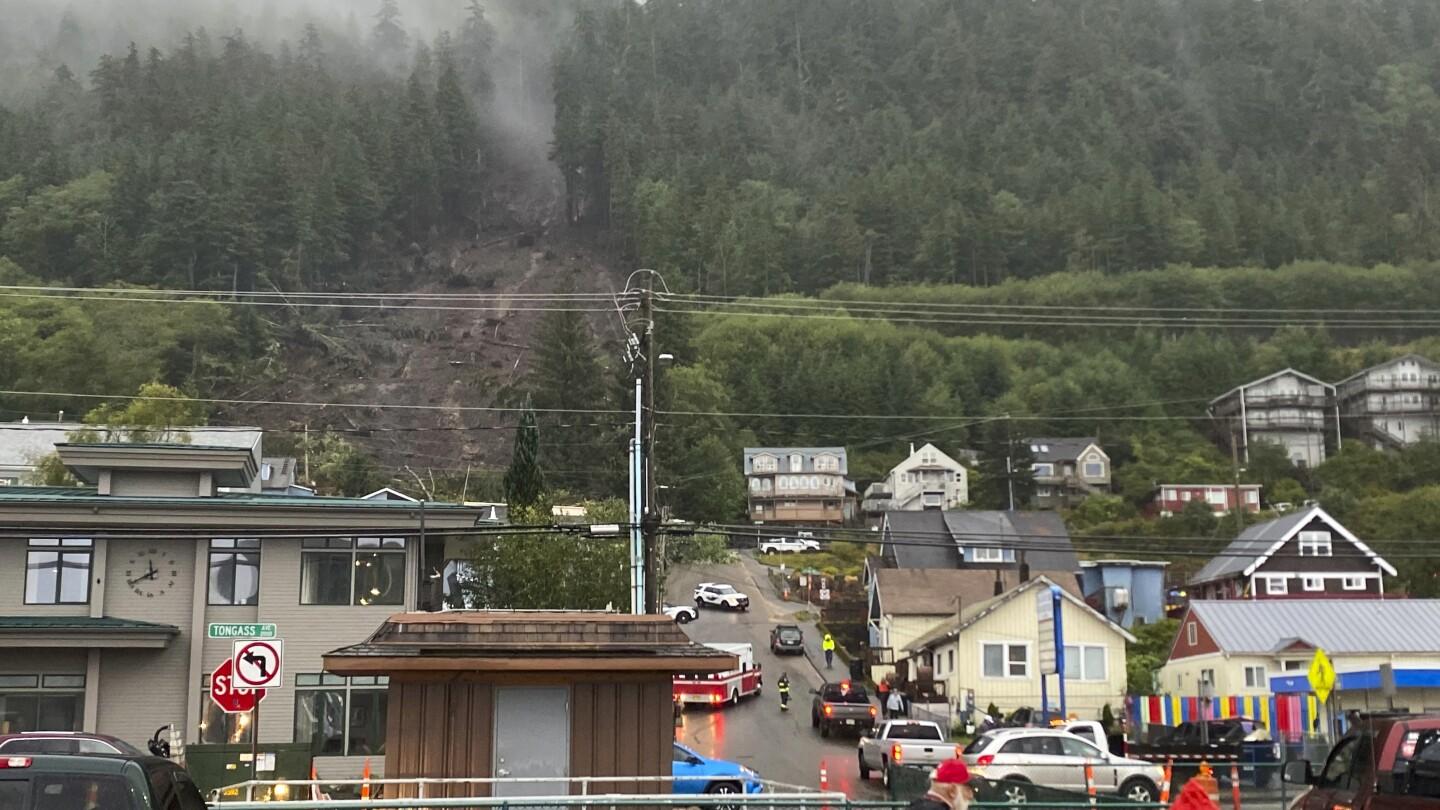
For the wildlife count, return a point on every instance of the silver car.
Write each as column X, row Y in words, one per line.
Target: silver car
column 1019, row 757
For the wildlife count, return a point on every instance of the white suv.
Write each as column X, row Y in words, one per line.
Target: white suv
column 720, row 595
column 788, row 545
column 1017, row 758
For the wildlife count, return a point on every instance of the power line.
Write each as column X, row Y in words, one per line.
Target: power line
column 500, row 307
column 307, row 404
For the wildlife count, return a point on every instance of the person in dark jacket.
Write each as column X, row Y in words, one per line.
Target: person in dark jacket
column 949, row 788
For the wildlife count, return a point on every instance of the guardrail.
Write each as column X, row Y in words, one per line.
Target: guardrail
column 272, row 790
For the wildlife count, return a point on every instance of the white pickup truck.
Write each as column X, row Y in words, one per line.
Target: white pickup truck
column 904, row 742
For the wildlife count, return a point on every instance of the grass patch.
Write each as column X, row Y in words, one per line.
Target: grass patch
column 848, row 561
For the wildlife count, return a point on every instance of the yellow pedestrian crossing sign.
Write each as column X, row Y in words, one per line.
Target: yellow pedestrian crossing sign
column 1322, row 675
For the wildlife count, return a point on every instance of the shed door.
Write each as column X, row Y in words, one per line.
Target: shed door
column 532, row 739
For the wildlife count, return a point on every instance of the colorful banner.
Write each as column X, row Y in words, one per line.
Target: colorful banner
column 1289, row 717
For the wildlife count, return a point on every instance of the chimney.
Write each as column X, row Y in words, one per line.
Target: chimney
column 1024, row 569
column 999, row 583
column 912, row 448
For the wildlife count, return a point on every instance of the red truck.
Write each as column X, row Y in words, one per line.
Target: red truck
column 1384, row 762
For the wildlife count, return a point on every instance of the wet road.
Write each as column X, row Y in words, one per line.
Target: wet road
column 782, row 747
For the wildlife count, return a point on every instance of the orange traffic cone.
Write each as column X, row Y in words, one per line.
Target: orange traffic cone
column 365, row 785
column 1205, row 779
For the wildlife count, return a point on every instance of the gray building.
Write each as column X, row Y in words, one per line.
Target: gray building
column 803, row 486
column 1392, row 404
column 976, row 539
column 1288, row 408
column 106, row 592
column 24, row 444
column 1067, row 470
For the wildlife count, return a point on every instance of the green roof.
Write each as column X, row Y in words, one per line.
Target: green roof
column 157, row 446
column 90, row 495
column 87, row 623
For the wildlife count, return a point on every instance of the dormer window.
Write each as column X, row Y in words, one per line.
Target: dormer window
column 764, row 463
column 797, row 462
column 827, row 463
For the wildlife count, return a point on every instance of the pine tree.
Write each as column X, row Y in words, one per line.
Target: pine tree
column 566, row 376
column 458, row 158
column 389, row 35
column 524, row 481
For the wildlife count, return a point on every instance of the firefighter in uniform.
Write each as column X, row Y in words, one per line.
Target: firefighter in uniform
column 783, row 687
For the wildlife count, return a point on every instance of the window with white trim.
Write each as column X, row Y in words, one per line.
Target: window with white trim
column 1314, row 583
column 234, row 571
column 1215, row 497
column 764, row 464
column 797, row 462
column 1169, row 495
column 1005, row 660
column 1353, row 583
column 754, row 484
column 1192, row 636
column 1251, row 496
column 1277, row 586
column 1085, row 662
column 1207, row 676
column 827, row 463
column 1094, row 469
column 1315, row 544
column 1042, row 469
column 1255, row 677
column 987, row 554
column 1295, row 665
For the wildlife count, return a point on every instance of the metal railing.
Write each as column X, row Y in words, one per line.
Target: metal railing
column 427, row 785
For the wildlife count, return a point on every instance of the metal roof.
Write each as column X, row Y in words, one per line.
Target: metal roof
column 921, row 540
column 807, row 454
column 102, row 623
column 1261, row 540
column 1343, row 626
column 1268, row 377
column 1041, row 536
column 88, row 495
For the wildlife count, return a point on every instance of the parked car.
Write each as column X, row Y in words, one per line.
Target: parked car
column 787, row 638
column 64, row 742
column 696, row 774
column 1384, row 762
column 682, row 614
column 108, row 782
column 787, row 545
column 720, row 595
column 1019, row 757
column 904, row 742
column 842, row 705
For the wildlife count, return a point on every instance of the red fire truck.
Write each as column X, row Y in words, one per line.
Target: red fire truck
column 721, row 687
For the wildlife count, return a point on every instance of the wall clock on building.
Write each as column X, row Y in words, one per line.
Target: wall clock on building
column 150, row 572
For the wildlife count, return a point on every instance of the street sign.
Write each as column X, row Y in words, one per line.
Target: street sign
column 257, row 663
column 824, row 594
column 230, row 698
column 233, row 630
column 1045, row 615
column 1322, row 675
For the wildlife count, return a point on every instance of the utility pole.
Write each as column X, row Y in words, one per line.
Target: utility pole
column 650, row 514
column 1235, row 468
column 1009, row 462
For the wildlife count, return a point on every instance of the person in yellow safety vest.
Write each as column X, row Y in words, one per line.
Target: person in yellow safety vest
column 783, row 687
column 828, row 645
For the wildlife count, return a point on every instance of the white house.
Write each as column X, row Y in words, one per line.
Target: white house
column 1393, row 404
column 926, row 479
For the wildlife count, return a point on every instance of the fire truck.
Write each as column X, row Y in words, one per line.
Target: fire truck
column 719, row 688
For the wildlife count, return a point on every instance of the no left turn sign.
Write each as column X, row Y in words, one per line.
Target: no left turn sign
column 256, row 663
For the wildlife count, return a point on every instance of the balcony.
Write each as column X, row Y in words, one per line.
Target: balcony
column 1262, row 421
column 1390, row 384
column 1262, row 401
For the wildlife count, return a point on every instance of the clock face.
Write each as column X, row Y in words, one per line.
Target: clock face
column 150, row 572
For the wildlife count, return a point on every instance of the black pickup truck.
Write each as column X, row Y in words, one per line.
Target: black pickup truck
column 1240, row 740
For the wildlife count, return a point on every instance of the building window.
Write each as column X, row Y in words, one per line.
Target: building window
column 57, row 571
column 1043, row 469
column 1094, row 469
column 234, row 572
column 1315, row 544
column 1169, row 495
column 1313, row 583
column 987, row 554
column 950, row 662
column 1084, row 662
column 1207, row 676
column 797, row 462
column 218, row 727
column 1294, row 665
column 1277, row 586
column 352, row 571
column 1255, row 678
column 764, row 464
column 1215, row 497
column 1043, row 492
column 754, row 484
column 339, row 717
column 1251, row 496
column 1191, row 634
column 1006, row 660
column 1354, row 583
column 34, row 702
column 827, row 463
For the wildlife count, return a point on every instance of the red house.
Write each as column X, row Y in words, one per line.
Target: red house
column 1171, row 499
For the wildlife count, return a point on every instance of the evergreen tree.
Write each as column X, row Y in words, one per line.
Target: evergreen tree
column 389, row 34
column 458, row 157
column 566, row 377
column 524, row 481
column 1004, row 476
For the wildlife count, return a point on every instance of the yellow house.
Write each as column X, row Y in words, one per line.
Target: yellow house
column 995, row 647
column 1265, row 646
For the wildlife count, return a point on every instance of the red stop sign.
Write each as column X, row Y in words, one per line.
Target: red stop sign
column 230, row 698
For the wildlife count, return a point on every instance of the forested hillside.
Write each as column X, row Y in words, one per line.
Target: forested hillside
column 751, row 147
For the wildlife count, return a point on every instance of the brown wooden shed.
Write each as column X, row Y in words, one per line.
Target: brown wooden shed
column 529, row 694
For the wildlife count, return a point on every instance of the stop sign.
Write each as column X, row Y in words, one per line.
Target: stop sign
column 230, row 698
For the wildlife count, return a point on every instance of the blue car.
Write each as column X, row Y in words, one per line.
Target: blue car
column 696, row 774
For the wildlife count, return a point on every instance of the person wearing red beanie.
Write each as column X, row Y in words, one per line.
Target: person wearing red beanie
column 949, row 788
